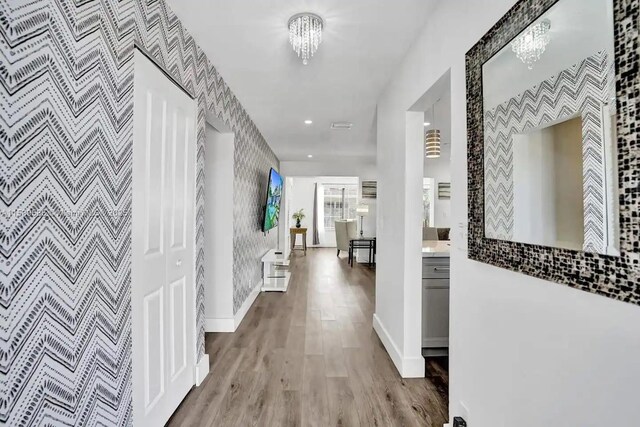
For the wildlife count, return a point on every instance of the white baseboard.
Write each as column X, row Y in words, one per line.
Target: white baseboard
column 219, row 325
column 413, row 367
column 389, row 345
column 202, row 369
column 230, row 324
column 408, row 367
column 246, row 305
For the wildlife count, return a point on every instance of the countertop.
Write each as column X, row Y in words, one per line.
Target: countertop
column 436, row 248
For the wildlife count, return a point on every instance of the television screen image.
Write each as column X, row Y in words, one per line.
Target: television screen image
column 274, row 194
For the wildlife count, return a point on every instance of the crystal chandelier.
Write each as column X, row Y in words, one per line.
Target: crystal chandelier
column 305, row 34
column 531, row 44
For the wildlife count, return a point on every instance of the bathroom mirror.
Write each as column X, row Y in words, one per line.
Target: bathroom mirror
column 549, row 122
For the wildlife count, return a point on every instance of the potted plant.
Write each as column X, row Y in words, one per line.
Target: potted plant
column 298, row 217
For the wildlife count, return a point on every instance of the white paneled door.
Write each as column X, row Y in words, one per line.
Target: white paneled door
column 163, row 245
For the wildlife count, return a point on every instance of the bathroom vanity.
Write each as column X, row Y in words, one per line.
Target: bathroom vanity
column 435, row 294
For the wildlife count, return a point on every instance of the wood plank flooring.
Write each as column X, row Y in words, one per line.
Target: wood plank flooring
column 311, row 358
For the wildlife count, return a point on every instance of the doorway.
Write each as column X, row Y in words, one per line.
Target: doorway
column 163, row 244
column 429, row 127
column 219, row 227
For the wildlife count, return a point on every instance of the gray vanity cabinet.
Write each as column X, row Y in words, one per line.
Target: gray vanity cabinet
column 435, row 302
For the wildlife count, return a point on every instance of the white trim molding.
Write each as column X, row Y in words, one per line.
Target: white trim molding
column 246, row 305
column 202, row 369
column 408, row 367
column 212, row 324
column 230, row 324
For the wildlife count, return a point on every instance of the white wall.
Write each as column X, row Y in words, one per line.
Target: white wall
column 284, row 242
column 338, row 167
column 218, row 239
column 301, row 193
column 533, row 189
column 522, row 351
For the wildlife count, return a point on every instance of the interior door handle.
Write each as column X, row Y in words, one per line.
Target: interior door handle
column 178, row 263
column 441, row 268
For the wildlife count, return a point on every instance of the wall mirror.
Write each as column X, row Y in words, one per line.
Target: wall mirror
column 550, row 158
column 552, row 144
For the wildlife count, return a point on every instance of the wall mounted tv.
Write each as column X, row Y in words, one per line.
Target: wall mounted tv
column 274, row 194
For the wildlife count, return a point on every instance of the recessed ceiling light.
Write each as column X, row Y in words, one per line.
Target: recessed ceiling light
column 309, row 155
column 427, row 124
column 308, row 122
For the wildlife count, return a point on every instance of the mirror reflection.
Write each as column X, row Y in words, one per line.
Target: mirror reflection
column 550, row 160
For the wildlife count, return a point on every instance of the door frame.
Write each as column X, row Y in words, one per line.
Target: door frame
column 199, row 371
column 138, row 47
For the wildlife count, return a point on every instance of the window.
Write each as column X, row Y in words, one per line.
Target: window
column 340, row 201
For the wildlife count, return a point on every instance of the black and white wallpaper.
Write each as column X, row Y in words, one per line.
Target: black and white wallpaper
column 251, row 172
column 616, row 277
column 66, row 108
column 580, row 89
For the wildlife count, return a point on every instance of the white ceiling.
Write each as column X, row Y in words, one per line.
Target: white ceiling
column 363, row 43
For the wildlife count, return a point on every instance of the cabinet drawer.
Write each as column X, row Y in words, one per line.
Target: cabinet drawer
column 435, row 283
column 435, row 269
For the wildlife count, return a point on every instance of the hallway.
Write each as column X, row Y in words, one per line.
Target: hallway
column 311, row 357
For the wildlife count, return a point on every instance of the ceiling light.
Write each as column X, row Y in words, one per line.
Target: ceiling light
column 427, row 124
column 309, row 155
column 432, row 137
column 432, row 143
column 531, row 44
column 308, row 122
column 305, row 34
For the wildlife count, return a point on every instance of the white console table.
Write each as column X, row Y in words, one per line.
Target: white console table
column 275, row 272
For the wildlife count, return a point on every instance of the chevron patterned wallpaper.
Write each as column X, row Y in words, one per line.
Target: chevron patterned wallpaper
column 582, row 89
column 66, row 99
column 252, row 165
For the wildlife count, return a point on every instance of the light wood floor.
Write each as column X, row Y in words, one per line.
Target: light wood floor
column 311, row 357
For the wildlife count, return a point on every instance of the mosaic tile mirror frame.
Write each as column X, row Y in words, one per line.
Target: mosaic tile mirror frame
column 613, row 276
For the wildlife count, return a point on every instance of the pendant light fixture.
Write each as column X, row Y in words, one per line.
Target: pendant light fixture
column 432, row 138
column 305, row 34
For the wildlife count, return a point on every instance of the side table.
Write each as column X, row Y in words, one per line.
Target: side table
column 363, row 243
column 294, row 231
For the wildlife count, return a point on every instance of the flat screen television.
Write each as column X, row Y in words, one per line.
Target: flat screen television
column 274, row 194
